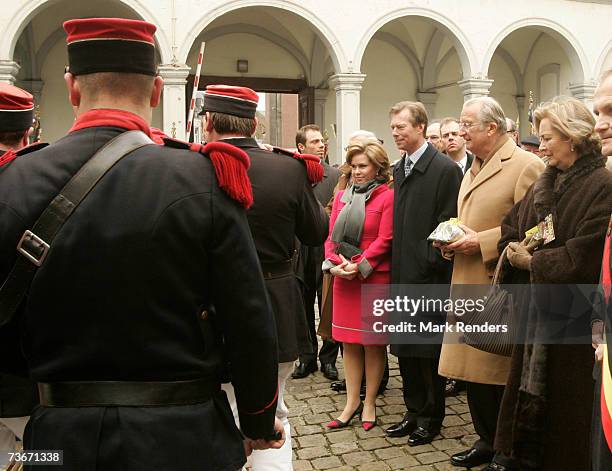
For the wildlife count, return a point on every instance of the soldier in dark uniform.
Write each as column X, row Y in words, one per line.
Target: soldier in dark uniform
column 149, row 289
column 18, row 396
column 284, row 208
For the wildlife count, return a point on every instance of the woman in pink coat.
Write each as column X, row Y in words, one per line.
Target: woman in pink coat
column 358, row 253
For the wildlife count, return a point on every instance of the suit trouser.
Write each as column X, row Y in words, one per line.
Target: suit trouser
column 10, row 429
column 264, row 460
column 484, row 401
column 423, row 390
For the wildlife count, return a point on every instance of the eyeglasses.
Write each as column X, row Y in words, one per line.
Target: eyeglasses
column 468, row 125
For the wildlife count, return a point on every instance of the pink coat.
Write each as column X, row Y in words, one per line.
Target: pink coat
column 377, row 231
column 350, row 323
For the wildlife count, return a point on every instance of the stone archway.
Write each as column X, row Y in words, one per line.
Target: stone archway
column 412, row 55
column 39, row 54
column 282, row 48
column 535, row 60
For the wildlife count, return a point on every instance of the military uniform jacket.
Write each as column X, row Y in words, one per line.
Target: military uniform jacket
column 18, row 395
column 120, row 297
column 284, row 208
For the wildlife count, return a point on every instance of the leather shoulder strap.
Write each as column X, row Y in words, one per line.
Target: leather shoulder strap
column 35, row 243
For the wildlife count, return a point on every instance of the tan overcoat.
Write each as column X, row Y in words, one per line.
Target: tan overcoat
column 485, row 197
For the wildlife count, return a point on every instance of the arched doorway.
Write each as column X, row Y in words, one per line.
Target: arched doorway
column 412, row 57
column 40, row 51
column 535, row 63
column 278, row 53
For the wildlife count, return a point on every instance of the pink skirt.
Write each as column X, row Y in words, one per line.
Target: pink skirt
column 350, row 324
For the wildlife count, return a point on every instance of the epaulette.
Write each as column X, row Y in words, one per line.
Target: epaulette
column 11, row 155
column 314, row 169
column 230, row 163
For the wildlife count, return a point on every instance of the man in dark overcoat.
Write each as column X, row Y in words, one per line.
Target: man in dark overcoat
column 309, row 140
column 426, row 184
column 149, row 289
column 284, row 208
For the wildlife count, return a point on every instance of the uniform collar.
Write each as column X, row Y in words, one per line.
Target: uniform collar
column 111, row 117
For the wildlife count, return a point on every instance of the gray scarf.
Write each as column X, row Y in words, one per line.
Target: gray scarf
column 349, row 224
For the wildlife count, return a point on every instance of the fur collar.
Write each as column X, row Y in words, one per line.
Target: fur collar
column 553, row 183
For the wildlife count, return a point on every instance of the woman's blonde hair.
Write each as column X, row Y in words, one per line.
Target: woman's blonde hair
column 572, row 119
column 375, row 153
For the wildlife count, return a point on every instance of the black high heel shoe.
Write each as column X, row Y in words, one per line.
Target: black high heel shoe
column 337, row 423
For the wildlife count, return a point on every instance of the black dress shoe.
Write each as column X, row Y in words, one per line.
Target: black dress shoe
column 401, row 429
column 302, row 370
column 421, row 436
column 338, row 386
column 470, row 458
column 329, row 371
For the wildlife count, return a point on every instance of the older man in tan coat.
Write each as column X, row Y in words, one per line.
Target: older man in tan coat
column 499, row 177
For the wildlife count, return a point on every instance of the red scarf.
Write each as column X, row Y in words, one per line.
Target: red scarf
column 111, row 117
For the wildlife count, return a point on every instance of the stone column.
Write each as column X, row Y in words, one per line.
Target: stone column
column 475, row 87
column 584, row 92
column 524, row 123
column 429, row 100
column 173, row 99
column 320, row 99
column 8, row 71
column 348, row 91
column 34, row 86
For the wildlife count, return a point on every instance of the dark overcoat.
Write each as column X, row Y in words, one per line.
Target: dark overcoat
column 582, row 215
column 120, row 297
column 284, row 208
column 425, row 198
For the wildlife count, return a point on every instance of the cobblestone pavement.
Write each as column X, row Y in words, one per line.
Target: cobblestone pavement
column 312, row 403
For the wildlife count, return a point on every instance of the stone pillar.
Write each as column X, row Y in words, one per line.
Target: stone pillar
column 348, row 91
column 524, row 123
column 8, row 71
column 475, row 87
column 584, row 92
column 429, row 100
column 320, row 99
column 34, row 86
column 173, row 99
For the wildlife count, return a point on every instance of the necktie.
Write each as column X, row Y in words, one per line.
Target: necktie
column 408, row 166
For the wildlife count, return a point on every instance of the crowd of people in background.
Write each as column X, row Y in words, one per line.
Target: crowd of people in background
column 152, row 316
column 477, row 168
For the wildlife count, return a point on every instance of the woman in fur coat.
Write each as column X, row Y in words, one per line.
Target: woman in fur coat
column 544, row 421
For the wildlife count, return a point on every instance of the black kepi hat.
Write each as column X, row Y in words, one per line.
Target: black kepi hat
column 110, row 45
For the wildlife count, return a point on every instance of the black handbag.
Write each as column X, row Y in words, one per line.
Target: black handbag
column 499, row 310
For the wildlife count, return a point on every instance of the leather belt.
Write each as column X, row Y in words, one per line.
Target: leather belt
column 126, row 393
column 277, row 269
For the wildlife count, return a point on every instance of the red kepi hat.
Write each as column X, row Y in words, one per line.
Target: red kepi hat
column 110, row 45
column 237, row 101
column 16, row 108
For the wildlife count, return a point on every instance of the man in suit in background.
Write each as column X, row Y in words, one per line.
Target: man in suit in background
column 433, row 135
column 455, row 144
column 426, row 184
column 309, row 140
